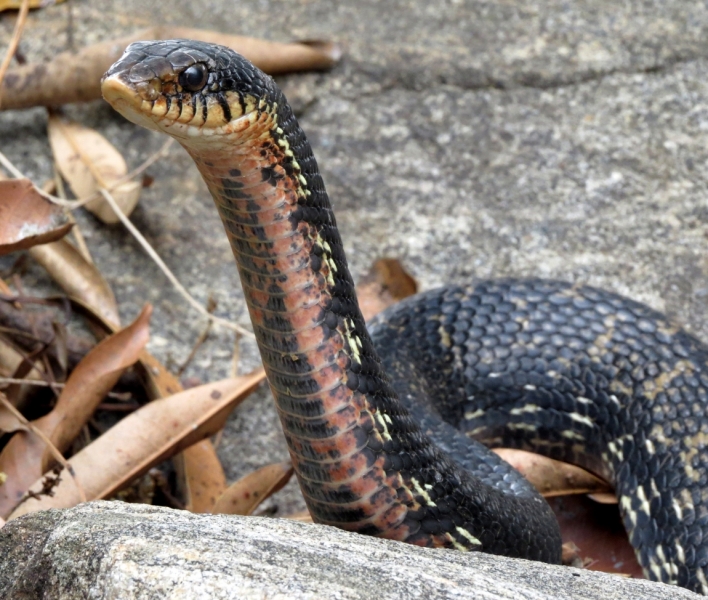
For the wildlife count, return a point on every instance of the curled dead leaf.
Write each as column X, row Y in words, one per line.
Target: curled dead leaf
column 88, row 161
column 143, row 439
column 16, row 4
column 25, row 457
column 76, row 76
column 597, row 533
column 200, row 476
column 552, row 477
column 271, row 57
column 244, row 496
column 26, row 218
column 203, row 477
column 570, row 555
column 78, row 277
column 303, row 516
column 603, row 498
column 160, row 383
column 386, row 283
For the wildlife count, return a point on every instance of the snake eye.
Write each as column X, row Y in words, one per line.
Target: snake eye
column 194, row 78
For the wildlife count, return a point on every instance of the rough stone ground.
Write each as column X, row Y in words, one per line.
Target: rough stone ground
column 112, row 550
column 470, row 138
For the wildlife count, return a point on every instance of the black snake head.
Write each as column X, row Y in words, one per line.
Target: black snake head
column 189, row 89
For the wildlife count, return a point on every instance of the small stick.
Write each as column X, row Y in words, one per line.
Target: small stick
column 136, row 234
column 198, row 344
column 236, row 358
column 166, row 270
column 75, row 230
column 15, row 41
column 52, row 448
column 74, row 204
column 41, row 383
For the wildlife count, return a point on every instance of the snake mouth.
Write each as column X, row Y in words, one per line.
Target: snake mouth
column 187, row 118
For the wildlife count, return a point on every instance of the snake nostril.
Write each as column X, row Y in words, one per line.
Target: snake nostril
column 149, row 90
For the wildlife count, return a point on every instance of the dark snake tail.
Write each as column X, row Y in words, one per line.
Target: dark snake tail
column 379, row 426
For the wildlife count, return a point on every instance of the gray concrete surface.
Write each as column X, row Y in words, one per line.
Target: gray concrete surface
column 469, row 138
column 111, row 550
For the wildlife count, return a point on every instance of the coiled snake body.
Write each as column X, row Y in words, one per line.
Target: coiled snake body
column 574, row 372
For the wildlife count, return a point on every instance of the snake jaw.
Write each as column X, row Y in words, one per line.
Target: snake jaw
column 148, row 104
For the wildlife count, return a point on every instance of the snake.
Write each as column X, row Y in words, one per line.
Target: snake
column 388, row 427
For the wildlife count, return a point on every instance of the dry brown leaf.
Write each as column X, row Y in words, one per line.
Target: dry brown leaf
column 93, row 378
column 597, row 532
column 143, row 439
column 303, row 516
column 271, row 57
column 25, row 457
column 26, row 218
column 76, row 76
column 88, row 161
column 243, row 496
column 200, row 476
column 603, row 498
column 78, row 277
column 24, row 330
column 570, row 555
column 15, row 4
column 160, row 383
column 204, row 479
column 385, row 284
column 552, row 477
column 10, row 359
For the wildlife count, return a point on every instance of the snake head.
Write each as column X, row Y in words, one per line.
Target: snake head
column 189, row 89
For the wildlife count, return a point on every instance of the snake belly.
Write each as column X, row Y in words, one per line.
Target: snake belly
column 380, row 426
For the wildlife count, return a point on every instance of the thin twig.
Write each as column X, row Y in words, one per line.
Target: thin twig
column 74, row 204
column 198, row 344
column 132, row 229
column 166, row 270
column 15, row 41
column 12, row 169
column 236, row 357
column 218, row 438
column 211, row 307
column 76, row 229
column 124, row 396
column 37, row 382
column 30, row 299
column 52, row 448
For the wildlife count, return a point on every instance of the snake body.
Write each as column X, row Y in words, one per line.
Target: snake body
column 380, row 425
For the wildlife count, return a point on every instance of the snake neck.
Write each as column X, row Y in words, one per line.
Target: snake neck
column 362, row 462
column 318, row 356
